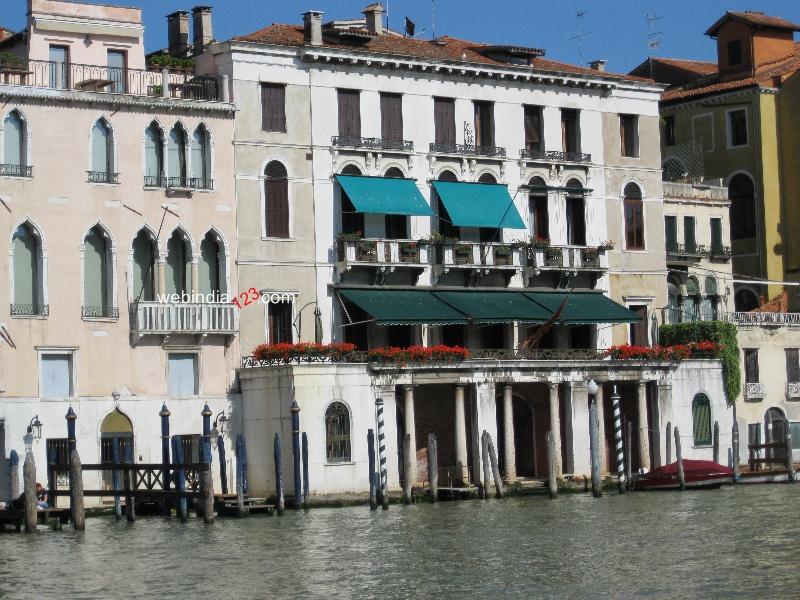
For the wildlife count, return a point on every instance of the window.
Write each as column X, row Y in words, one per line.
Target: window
column 638, row 332
column 792, row 365
column 671, row 232
column 201, row 159
column 57, row 451
column 116, row 71
column 691, row 302
column 276, row 196
column 711, row 300
column 396, row 226
column 745, row 300
column 533, row 129
column 337, row 433
column 349, row 113
column 352, row 221
column 59, row 67
column 444, row 121
column 102, row 153
column 55, row 375
column 144, row 253
column 484, row 123
column 28, row 298
column 743, row 207
column 454, row 335
column 734, row 53
column 14, row 145
column 701, row 420
column 570, row 134
column 177, row 267
column 493, row 337
column 751, row 365
column 355, row 326
column 634, row 217
column 182, row 379
column 795, row 428
column 153, row 156
column 673, row 303
column 392, row 117
column 211, row 256
column 669, row 130
column 273, row 107
column 537, row 205
column 716, row 236
column 629, row 135
column 737, row 128
column 176, row 157
column 97, row 291
column 689, row 238
column 576, row 217
column 279, row 315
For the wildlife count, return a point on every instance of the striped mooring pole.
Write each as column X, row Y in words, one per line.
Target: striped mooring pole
column 618, row 440
column 382, row 483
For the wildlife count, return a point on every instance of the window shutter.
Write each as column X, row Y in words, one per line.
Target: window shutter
column 277, row 191
column 349, row 113
column 751, row 366
column 182, row 374
column 671, row 233
column 391, row 117
column 688, row 234
column 56, row 376
column 532, row 128
column 13, row 140
column 701, row 417
column 792, row 365
column 273, row 107
column 444, row 120
column 716, row 234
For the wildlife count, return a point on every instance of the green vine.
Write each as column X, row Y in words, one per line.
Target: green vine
column 713, row 331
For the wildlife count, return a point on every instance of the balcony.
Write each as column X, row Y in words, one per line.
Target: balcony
column 102, row 177
column 687, row 251
column 793, row 391
column 381, row 253
column 762, row 319
column 30, row 310
column 381, row 144
column 555, row 156
column 479, row 255
column 468, row 150
column 99, row 312
column 16, row 170
column 567, row 258
column 720, row 253
column 178, row 183
column 156, row 318
column 184, row 85
column 754, row 391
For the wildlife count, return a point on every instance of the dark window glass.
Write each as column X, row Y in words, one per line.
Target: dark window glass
column 453, row 335
column 734, row 53
column 669, row 130
column 493, row 337
column 337, row 433
column 280, row 323
column 737, row 124
column 446, row 227
column 570, row 135
column 399, row 336
column 273, row 107
column 689, row 238
column 716, row 235
column 356, row 327
column 792, row 365
column 671, row 233
column 634, row 218
column 629, row 135
column 743, row 207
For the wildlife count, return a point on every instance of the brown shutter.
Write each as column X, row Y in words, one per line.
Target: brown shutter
column 349, row 113
column 445, row 120
column 277, row 201
column 273, row 107
column 391, row 117
column 532, row 128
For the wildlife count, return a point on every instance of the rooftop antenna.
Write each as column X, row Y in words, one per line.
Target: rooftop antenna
column 433, row 18
column 581, row 34
column 653, row 39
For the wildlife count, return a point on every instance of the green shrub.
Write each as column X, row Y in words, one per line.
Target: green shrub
column 713, row 331
column 165, row 60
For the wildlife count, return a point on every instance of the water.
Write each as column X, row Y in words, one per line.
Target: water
column 728, row 543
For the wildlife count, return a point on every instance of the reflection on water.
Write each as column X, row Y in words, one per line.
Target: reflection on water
column 728, row 543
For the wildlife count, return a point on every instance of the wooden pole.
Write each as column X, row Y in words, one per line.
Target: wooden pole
column 679, row 458
column 668, row 441
column 305, row 469
column 628, row 455
column 278, row 474
column 76, row 492
column 715, row 440
column 180, row 478
column 117, row 484
column 296, row 458
column 735, row 449
column 52, row 477
column 433, row 467
column 129, row 480
column 594, row 448
column 551, row 464
column 789, row 462
column 240, row 511
column 13, row 474
column 383, row 487
column 165, row 504
column 223, row 466
column 498, row 482
column 486, row 466
column 373, row 502
column 407, row 491
column 29, row 488
column 206, row 483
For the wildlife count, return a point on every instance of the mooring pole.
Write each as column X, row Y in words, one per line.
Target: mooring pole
column 383, row 491
column 735, row 448
column 618, row 440
column 715, row 441
column 71, row 441
column 498, row 481
column 115, row 478
column 13, row 474
column 408, row 492
column 679, row 458
column 629, row 454
column 668, row 442
column 129, row 481
column 180, row 477
column 206, row 484
column 29, row 489
column 51, row 477
column 76, row 492
column 484, row 493
column 373, row 502
column 297, row 459
column 433, row 467
column 164, row 414
column 278, row 474
column 551, row 464
column 790, row 476
column 223, row 466
column 206, row 414
column 594, row 448
column 305, row 469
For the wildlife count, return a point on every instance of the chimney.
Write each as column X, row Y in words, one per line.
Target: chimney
column 598, row 65
column 201, row 25
column 312, row 27
column 374, row 17
column 178, row 33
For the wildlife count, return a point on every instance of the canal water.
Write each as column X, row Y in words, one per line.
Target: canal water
column 736, row 542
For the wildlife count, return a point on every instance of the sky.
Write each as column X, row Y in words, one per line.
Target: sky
column 615, row 30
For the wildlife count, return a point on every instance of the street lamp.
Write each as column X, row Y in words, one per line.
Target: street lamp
column 592, row 387
column 220, row 427
column 33, row 432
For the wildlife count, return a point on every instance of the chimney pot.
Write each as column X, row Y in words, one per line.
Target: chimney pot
column 374, row 18
column 178, row 33
column 598, row 65
column 312, row 27
column 201, row 24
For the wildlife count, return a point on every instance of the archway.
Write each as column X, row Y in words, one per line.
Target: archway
column 116, row 436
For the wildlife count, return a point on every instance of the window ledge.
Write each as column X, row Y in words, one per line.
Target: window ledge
column 338, row 464
column 57, row 398
column 277, row 239
column 34, row 317
column 100, row 319
column 20, row 177
column 702, row 446
column 642, row 251
column 104, row 183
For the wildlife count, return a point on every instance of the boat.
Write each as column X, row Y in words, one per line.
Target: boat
column 698, row 474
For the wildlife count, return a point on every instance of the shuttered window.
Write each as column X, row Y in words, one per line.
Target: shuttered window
column 743, row 207
column 689, row 238
column 792, row 365
column 177, row 265
column 277, row 200
column 96, row 280
column 183, row 379
column 671, row 233
column 208, row 269
column 751, row 365
column 634, row 218
column 392, row 117
column 153, row 155
column 176, row 153
column 349, row 113
column 56, row 375
column 273, row 107
column 101, row 147
column 629, row 135
column 143, row 267
column 570, row 137
column 716, row 235
column 26, row 270
column 444, row 118
column 533, row 128
column 484, row 123
column 701, row 420
column 14, row 140
column 754, row 434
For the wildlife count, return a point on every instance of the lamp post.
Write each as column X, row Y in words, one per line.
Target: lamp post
column 218, row 431
column 70, row 417
column 206, row 413
column 165, row 414
column 33, row 432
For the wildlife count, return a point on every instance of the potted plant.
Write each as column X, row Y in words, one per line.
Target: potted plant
column 540, row 241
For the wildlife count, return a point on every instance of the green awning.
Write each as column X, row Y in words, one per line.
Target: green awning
column 584, row 308
column 384, row 195
column 403, row 307
column 479, row 204
column 495, row 307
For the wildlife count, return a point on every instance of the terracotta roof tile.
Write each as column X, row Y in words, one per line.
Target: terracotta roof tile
column 757, row 19
column 695, row 66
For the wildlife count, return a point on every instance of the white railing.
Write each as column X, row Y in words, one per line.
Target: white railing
column 708, row 190
column 560, row 258
column 158, row 318
column 793, row 391
column 480, row 254
column 382, row 252
column 762, row 318
column 754, row 391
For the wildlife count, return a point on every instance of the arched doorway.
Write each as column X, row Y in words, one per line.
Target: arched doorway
column 116, row 432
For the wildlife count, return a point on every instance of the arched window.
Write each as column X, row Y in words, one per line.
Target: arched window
column 711, row 300
column 691, row 303
column 396, row 227
column 337, row 433
column 153, row 156
column 352, row 221
column 394, row 173
column 102, row 154
column 209, row 271
column 178, row 263
column 446, row 227
column 745, row 300
column 176, row 157
column 774, row 427
column 14, row 146
column 743, row 207
column 201, row 159
column 701, row 420
column 97, row 291
column 487, row 178
column 576, row 214
column 28, row 298
column 539, row 218
column 673, row 303
column 144, row 267
column 276, row 196
column 634, row 217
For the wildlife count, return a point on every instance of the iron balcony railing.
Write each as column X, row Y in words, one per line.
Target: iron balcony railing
column 687, row 249
column 468, row 150
column 754, row 391
column 164, row 318
column 30, row 310
column 555, row 155
column 720, row 252
column 793, row 390
column 190, row 183
column 108, row 80
column 371, row 143
column 762, row 318
column 16, row 170
column 100, row 312
column 102, row 177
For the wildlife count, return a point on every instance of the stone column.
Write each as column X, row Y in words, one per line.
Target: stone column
column 161, row 274
column 195, row 283
column 601, row 434
column 555, row 424
column 411, row 429
column 644, row 427
column 579, row 426
column 509, row 451
column 664, row 391
column 461, row 436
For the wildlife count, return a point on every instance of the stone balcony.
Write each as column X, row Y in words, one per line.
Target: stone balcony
column 567, row 258
column 166, row 319
column 754, row 391
column 793, row 391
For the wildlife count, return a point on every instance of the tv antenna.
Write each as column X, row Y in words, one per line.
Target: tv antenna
column 581, row 34
column 653, row 36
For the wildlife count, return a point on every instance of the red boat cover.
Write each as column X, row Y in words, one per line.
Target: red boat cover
column 690, row 467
